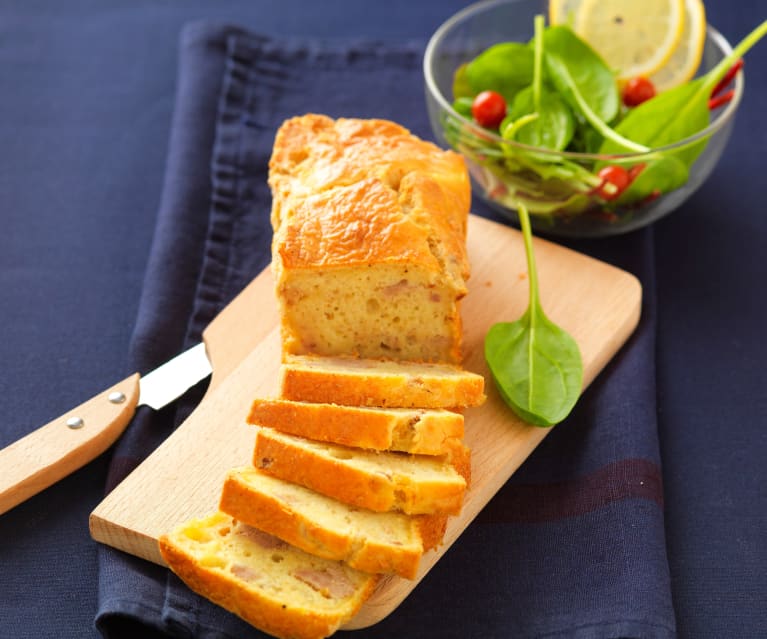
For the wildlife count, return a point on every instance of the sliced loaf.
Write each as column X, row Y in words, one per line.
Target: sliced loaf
column 421, row 431
column 273, row 586
column 384, row 383
column 379, row 481
column 374, row 542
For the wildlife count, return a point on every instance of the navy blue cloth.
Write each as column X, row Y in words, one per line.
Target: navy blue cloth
column 577, row 533
column 87, row 102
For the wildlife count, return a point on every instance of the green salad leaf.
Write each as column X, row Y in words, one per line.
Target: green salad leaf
column 649, row 124
column 554, row 126
column 587, row 71
column 461, row 88
column 572, row 91
column 662, row 175
column 506, row 68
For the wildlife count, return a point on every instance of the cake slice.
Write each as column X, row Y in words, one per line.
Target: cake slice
column 370, row 541
column 421, row 431
column 384, row 383
column 273, row 586
column 379, row 481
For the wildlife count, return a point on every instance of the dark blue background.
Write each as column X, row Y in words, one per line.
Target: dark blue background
column 86, row 97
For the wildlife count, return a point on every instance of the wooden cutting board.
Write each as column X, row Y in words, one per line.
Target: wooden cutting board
column 597, row 303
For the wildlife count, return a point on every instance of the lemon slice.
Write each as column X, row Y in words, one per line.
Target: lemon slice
column 635, row 38
column 563, row 11
column 685, row 60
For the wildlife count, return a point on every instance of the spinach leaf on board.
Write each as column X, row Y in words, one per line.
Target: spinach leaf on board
column 536, row 365
column 593, row 78
column 506, row 68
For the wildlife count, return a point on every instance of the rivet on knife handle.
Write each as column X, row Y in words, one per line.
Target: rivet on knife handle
column 53, row 451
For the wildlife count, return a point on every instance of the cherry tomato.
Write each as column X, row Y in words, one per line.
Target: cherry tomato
column 638, row 90
column 616, row 176
column 488, row 109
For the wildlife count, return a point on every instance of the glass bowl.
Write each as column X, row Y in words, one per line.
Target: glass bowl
column 561, row 207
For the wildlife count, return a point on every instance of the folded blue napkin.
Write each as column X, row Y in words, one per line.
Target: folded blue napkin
column 572, row 546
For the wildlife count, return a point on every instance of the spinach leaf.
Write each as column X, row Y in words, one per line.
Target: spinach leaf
column 659, row 176
column 554, row 126
column 506, row 68
column 461, row 86
column 669, row 117
column 586, row 139
column 462, row 106
column 566, row 85
column 589, row 73
column 536, row 365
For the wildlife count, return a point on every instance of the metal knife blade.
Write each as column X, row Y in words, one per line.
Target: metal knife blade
column 67, row 443
column 173, row 378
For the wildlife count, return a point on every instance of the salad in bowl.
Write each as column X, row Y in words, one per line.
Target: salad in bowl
column 573, row 112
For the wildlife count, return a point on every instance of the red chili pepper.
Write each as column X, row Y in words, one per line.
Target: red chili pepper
column 652, row 197
column 727, row 78
column 635, row 170
column 605, row 215
column 618, row 179
column 719, row 100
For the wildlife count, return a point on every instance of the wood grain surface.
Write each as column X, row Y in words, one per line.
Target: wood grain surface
column 597, row 303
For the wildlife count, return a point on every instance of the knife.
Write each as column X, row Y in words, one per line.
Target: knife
column 57, row 449
column 53, row 451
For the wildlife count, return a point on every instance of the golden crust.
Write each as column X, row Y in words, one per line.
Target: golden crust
column 281, row 616
column 413, row 484
column 432, row 529
column 314, row 153
column 394, row 188
column 356, row 382
column 367, row 541
column 352, row 226
column 421, row 431
column 459, row 457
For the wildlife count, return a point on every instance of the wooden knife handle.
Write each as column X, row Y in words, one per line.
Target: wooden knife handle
column 53, row 451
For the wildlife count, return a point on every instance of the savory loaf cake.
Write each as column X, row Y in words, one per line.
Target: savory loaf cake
column 273, row 586
column 379, row 481
column 369, row 250
column 370, row 382
column 410, row 430
column 374, row 542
